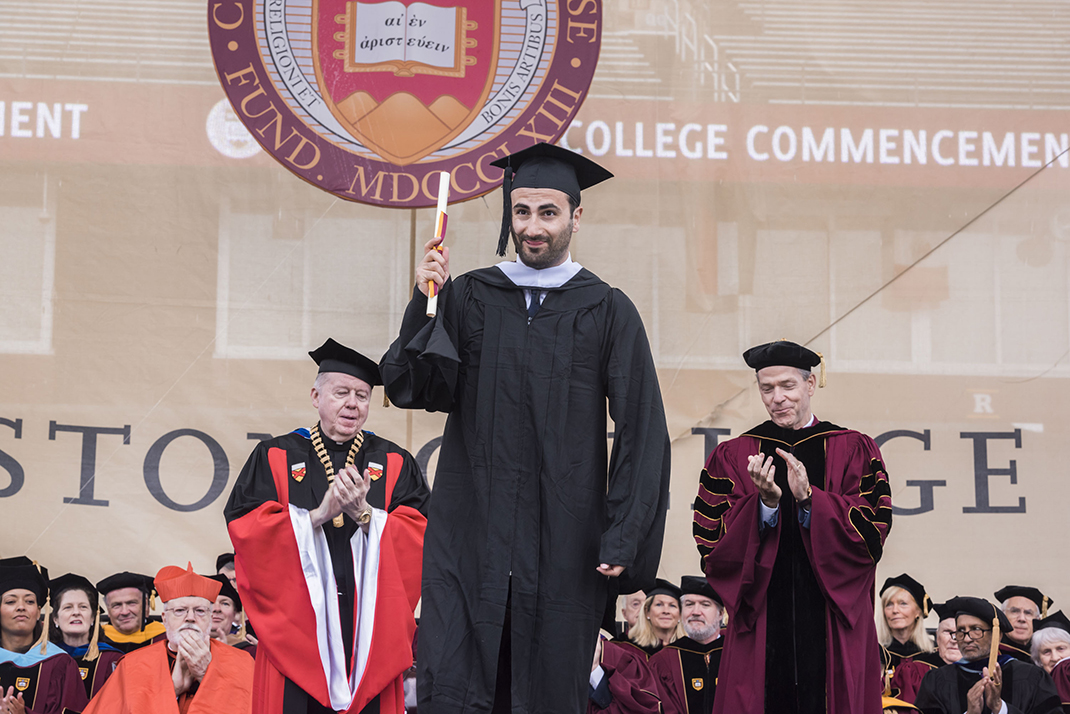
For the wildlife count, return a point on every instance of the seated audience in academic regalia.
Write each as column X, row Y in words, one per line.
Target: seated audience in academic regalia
column 36, row 676
column 687, row 669
column 904, row 673
column 621, row 681
column 630, row 607
column 970, row 685
column 1021, row 604
column 186, row 673
column 129, row 600
column 658, row 623
column 1051, row 651
column 228, row 619
column 901, row 621
column 75, row 627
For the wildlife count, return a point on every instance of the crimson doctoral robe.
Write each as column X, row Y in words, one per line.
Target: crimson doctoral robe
column 48, row 682
column 142, row 684
column 687, row 673
column 632, row 686
column 801, row 595
column 333, row 607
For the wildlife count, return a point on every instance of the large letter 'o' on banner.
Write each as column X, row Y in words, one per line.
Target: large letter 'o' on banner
column 220, row 473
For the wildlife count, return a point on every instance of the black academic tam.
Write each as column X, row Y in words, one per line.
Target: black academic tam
column 526, row 504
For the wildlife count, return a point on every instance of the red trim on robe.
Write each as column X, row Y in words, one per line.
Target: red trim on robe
column 266, row 552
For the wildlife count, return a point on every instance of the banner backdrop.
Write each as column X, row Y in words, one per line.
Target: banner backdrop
column 888, row 187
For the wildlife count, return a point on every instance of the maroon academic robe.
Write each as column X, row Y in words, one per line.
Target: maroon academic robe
column 289, row 574
column 829, row 569
column 1061, row 675
column 907, row 673
column 687, row 674
column 48, row 682
column 632, row 685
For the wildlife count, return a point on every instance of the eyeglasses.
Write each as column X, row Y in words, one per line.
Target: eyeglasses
column 180, row 612
column 973, row 633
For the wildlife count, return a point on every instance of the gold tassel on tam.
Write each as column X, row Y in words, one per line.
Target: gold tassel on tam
column 386, row 399
column 994, row 653
column 94, row 643
column 241, row 628
column 46, row 610
column 152, row 603
column 1044, row 608
column 821, row 379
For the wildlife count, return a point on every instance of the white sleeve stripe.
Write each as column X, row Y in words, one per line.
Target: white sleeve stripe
column 366, row 571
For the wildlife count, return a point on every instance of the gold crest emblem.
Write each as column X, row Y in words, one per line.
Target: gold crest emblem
column 84, row 671
column 298, row 472
column 697, row 683
column 22, row 683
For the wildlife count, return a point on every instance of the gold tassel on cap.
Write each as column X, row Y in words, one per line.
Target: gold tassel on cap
column 152, row 602
column 1045, row 601
column 821, row 379
column 46, row 610
column 94, row 647
column 241, row 628
column 994, row 653
column 386, row 399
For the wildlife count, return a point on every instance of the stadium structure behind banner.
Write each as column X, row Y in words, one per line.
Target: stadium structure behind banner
column 369, row 100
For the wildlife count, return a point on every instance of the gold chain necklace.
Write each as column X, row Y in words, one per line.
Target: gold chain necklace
column 321, row 452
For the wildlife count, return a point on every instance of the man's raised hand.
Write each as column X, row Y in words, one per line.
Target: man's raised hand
column 761, row 472
column 434, row 266
column 797, row 480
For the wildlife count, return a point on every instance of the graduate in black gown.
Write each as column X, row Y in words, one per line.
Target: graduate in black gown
column 529, row 516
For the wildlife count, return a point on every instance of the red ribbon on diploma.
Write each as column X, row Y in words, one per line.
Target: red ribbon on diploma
column 441, row 219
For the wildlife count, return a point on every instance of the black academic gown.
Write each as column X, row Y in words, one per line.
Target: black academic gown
column 1027, row 689
column 526, row 505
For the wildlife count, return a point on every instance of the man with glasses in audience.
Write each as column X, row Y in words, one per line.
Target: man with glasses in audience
column 1010, row 687
column 1021, row 605
column 188, row 669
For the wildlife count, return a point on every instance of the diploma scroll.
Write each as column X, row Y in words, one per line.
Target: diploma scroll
column 440, row 232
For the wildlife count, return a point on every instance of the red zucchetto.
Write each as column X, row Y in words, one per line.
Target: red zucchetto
column 172, row 581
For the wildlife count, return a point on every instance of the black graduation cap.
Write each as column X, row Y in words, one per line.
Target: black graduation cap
column 224, row 560
column 784, row 353
column 125, row 579
column 942, row 610
column 1056, row 619
column 664, row 587
column 70, row 581
column 22, row 573
column 227, row 590
column 544, row 166
column 912, row 586
column 334, row 357
column 980, row 608
column 1042, row 601
column 698, row 585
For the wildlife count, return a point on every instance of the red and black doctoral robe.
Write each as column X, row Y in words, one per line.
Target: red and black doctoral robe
column 142, row 684
column 801, row 598
column 49, row 682
column 628, row 682
column 346, row 652
column 687, row 673
column 904, row 666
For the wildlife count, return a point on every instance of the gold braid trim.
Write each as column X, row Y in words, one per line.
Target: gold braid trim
column 321, row 453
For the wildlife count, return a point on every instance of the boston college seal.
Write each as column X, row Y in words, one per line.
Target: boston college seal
column 369, row 100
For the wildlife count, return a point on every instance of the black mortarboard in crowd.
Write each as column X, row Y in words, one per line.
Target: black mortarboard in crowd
column 912, row 586
column 334, row 357
column 781, row 353
column 1056, row 619
column 942, row 610
column 664, row 587
column 544, row 166
column 1041, row 600
column 979, row 608
column 125, row 579
column 70, row 581
column 22, row 573
column 224, row 560
column 698, row 585
column 227, row 590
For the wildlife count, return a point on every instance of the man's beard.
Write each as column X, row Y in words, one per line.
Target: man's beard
column 700, row 634
column 556, row 247
column 175, row 637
